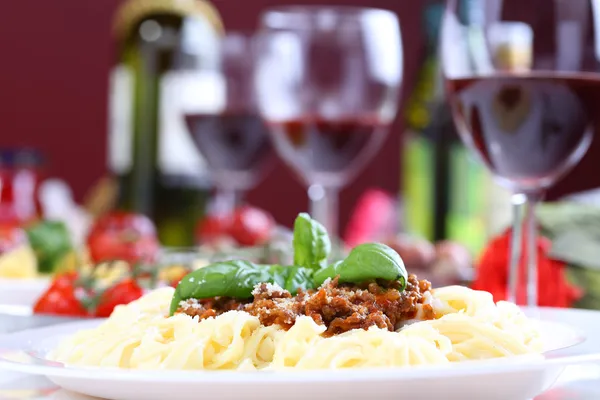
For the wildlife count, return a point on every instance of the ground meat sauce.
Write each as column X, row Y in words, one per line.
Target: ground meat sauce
column 340, row 307
column 206, row 308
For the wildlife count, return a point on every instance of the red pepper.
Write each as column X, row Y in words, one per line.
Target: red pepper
column 553, row 288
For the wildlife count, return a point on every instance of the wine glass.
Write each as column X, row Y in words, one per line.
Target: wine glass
column 328, row 80
column 523, row 94
column 222, row 118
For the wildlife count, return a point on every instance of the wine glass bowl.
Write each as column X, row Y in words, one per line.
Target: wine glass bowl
column 528, row 130
column 523, row 93
column 327, row 152
column 328, row 81
column 228, row 131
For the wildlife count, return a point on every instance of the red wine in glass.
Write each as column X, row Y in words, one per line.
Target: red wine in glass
column 236, row 145
column 529, row 129
column 327, row 151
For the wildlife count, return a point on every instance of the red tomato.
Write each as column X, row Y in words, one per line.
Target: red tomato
column 11, row 236
column 251, row 226
column 123, row 236
column 212, row 228
column 122, row 293
column 60, row 298
column 65, row 281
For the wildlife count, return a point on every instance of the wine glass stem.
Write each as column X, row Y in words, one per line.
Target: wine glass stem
column 324, row 207
column 517, row 201
column 531, row 239
column 226, row 200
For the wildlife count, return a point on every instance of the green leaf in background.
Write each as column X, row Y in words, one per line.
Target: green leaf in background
column 559, row 217
column 589, row 281
column 577, row 248
column 574, row 230
column 51, row 243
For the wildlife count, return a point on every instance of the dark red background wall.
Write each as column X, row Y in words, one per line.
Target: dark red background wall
column 55, row 57
column 53, row 83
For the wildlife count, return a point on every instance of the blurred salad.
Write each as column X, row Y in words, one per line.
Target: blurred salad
column 17, row 259
column 41, row 248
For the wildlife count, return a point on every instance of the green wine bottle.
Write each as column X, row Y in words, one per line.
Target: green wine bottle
column 159, row 170
column 447, row 193
column 423, row 205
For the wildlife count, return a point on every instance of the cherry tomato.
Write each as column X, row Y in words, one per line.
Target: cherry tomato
column 212, row 229
column 122, row 293
column 60, row 298
column 251, row 226
column 123, row 236
column 11, row 237
column 65, row 281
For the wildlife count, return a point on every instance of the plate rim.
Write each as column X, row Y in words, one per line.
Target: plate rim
column 471, row 368
column 42, row 279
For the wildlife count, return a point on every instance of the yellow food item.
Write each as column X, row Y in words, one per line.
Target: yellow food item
column 70, row 262
column 171, row 273
column 19, row 263
column 175, row 271
column 106, row 274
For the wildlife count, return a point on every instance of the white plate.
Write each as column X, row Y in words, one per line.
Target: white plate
column 517, row 378
column 22, row 292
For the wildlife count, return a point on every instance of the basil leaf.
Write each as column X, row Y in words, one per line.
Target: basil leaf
column 298, row 278
column 229, row 278
column 311, row 243
column 237, row 279
column 368, row 261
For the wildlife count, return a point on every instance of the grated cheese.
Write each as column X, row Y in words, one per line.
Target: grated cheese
column 271, row 289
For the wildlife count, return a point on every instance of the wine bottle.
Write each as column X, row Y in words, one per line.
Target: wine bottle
column 159, row 171
column 419, row 187
column 447, row 194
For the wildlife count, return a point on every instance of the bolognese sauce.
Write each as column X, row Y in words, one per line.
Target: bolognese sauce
column 340, row 307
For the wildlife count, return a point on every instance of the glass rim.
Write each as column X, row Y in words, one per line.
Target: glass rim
column 239, row 33
column 244, row 39
column 285, row 14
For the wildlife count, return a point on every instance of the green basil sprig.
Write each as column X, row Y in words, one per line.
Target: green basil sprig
column 312, row 246
column 366, row 262
column 311, row 243
column 237, row 279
